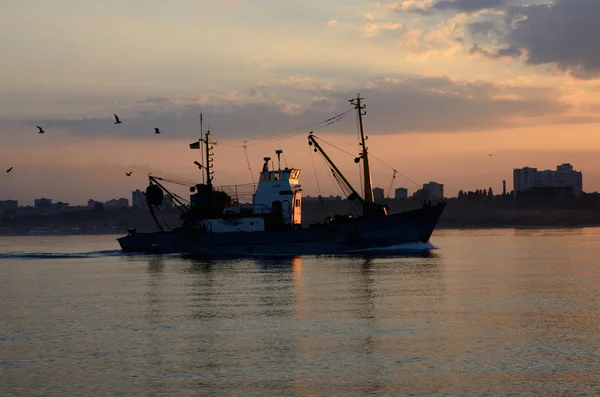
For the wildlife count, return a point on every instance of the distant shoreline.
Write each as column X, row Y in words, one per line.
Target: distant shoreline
column 500, row 213
column 439, row 227
column 530, row 227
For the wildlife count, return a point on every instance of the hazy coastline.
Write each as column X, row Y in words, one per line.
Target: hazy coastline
column 457, row 215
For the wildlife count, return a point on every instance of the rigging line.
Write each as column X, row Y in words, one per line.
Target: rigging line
column 331, row 144
column 347, row 192
column 328, row 121
column 391, row 184
column 262, row 142
column 259, row 141
column 393, row 169
column 185, row 201
column 248, row 160
column 333, row 176
column 312, row 157
column 176, row 182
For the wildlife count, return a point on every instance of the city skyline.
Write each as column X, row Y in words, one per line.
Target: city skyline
column 565, row 175
column 445, row 84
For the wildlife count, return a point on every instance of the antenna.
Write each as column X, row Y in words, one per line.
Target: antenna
column 266, row 164
column 279, row 151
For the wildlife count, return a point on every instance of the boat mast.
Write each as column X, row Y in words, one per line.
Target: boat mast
column 364, row 155
column 201, row 141
column 208, row 164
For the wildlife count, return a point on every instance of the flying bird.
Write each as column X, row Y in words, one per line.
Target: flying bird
column 41, row 130
column 156, row 131
column 491, row 154
column 10, row 169
column 117, row 121
column 128, row 173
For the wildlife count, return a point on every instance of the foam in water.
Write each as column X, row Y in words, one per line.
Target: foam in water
column 408, row 247
column 400, row 248
column 58, row 255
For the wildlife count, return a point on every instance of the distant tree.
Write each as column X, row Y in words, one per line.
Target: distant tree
column 484, row 192
column 461, row 194
column 490, row 192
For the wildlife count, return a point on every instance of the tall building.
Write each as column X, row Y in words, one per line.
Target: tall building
column 564, row 177
column 436, row 190
column 378, row 193
column 138, row 199
column 401, row 193
column 92, row 203
column 117, row 203
column 8, row 206
column 42, row 204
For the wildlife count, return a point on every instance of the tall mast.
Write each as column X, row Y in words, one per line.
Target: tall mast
column 364, row 155
column 208, row 166
column 202, row 141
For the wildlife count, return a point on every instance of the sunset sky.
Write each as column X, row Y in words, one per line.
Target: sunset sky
column 446, row 82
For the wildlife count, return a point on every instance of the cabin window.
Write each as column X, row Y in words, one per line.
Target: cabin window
column 286, row 175
column 276, row 176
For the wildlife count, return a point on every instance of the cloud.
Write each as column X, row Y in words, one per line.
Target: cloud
column 461, row 6
column 482, row 28
column 507, row 52
column 564, row 33
column 443, row 38
column 395, row 105
column 371, row 29
column 561, row 32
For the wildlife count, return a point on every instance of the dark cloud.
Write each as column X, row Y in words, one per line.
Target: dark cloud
column 400, row 106
column 466, row 6
column 470, row 5
column 483, row 28
column 565, row 33
column 561, row 32
column 508, row 52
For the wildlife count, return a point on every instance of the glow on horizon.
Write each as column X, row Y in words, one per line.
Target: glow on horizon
column 159, row 60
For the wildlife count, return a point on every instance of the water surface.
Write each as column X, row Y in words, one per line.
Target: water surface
column 490, row 312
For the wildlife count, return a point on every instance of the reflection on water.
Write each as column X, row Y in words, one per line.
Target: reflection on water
column 490, row 313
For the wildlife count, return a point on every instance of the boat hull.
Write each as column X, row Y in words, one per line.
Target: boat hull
column 345, row 237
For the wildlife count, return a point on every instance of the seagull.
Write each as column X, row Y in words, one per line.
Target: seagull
column 41, row 130
column 117, row 121
column 10, row 169
column 156, row 131
column 128, row 173
column 491, row 154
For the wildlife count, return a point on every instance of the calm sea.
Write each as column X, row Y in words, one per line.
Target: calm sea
column 490, row 312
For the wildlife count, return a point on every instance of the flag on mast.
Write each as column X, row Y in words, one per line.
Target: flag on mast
column 195, row 145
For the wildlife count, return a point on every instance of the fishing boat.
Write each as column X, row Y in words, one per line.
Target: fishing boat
column 217, row 222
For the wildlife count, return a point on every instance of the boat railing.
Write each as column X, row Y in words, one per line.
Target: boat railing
column 239, row 194
column 247, row 209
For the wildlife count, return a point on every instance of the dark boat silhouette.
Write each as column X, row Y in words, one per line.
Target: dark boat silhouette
column 218, row 223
